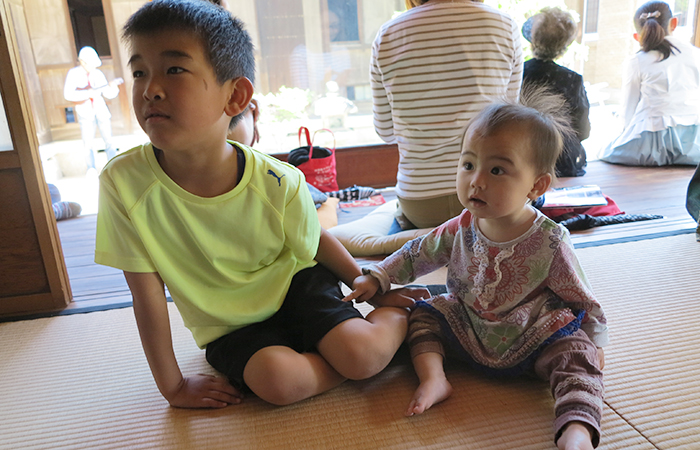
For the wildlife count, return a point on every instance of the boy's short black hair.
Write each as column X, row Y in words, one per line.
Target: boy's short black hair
column 225, row 40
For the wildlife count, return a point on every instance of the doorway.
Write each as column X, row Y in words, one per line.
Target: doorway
column 87, row 18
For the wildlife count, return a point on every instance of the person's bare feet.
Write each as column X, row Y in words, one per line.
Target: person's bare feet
column 576, row 436
column 429, row 392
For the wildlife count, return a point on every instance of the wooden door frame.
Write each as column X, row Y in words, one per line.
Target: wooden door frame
column 25, row 158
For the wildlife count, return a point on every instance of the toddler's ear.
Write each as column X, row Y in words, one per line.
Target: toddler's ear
column 542, row 183
column 241, row 93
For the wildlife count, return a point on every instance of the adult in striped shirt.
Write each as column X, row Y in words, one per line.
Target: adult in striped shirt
column 433, row 68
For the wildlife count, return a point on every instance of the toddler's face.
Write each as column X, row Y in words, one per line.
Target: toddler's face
column 496, row 174
column 246, row 130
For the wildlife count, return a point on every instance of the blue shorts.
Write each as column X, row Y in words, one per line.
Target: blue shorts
column 313, row 306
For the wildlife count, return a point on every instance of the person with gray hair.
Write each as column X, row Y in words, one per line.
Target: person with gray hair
column 550, row 32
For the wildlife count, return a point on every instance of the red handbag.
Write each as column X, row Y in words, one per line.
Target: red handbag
column 317, row 163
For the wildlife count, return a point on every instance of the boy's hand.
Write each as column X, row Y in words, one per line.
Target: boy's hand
column 204, row 391
column 364, row 287
column 400, row 298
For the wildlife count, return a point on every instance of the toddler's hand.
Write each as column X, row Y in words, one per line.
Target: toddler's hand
column 205, row 391
column 601, row 358
column 364, row 287
column 400, row 298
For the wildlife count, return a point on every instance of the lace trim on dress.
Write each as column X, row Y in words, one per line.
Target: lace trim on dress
column 486, row 293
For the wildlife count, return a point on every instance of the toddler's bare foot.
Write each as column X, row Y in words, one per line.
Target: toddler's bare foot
column 576, row 436
column 429, row 392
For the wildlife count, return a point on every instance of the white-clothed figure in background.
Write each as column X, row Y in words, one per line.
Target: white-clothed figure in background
column 87, row 87
column 661, row 95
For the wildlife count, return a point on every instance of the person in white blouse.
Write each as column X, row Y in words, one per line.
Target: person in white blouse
column 661, row 96
column 87, row 87
column 432, row 69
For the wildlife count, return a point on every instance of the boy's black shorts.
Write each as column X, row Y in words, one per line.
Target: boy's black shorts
column 313, row 306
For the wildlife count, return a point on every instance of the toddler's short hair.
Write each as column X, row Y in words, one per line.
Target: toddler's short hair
column 546, row 116
column 226, row 42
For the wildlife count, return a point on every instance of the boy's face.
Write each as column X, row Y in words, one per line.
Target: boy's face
column 496, row 174
column 177, row 100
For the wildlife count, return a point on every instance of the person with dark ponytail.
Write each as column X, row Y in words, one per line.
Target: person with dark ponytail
column 661, row 96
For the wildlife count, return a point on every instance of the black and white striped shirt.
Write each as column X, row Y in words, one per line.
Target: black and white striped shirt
column 433, row 68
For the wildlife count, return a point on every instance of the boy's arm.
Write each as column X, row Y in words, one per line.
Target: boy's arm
column 335, row 257
column 151, row 311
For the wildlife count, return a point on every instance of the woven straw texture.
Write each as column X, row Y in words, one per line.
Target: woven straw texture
column 82, row 381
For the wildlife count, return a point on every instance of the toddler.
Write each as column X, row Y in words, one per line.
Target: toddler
column 517, row 299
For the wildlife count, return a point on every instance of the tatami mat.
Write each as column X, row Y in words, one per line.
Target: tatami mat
column 82, row 381
column 651, row 293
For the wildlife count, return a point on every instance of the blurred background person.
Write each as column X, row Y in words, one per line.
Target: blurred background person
column 661, row 96
column 550, row 32
column 432, row 69
column 87, row 87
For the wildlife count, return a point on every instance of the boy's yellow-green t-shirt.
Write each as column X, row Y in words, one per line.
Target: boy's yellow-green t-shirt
column 228, row 260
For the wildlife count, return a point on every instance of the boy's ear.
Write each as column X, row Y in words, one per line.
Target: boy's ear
column 241, row 94
column 542, row 183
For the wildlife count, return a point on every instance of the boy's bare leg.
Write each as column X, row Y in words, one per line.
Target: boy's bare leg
column 361, row 348
column 433, row 387
column 576, row 436
column 281, row 376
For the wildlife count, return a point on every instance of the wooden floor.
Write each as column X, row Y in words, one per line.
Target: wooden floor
column 636, row 190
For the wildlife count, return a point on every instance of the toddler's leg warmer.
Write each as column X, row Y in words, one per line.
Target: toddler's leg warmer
column 571, row 366
column 424, row 333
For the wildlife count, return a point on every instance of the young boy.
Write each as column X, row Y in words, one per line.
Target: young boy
column 233, row 233
column 518, row 300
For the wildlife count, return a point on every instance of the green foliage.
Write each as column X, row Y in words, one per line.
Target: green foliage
column 286, row 105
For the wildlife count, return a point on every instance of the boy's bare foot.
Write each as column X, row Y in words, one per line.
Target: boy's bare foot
column 429, row 392
column 576, row 436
